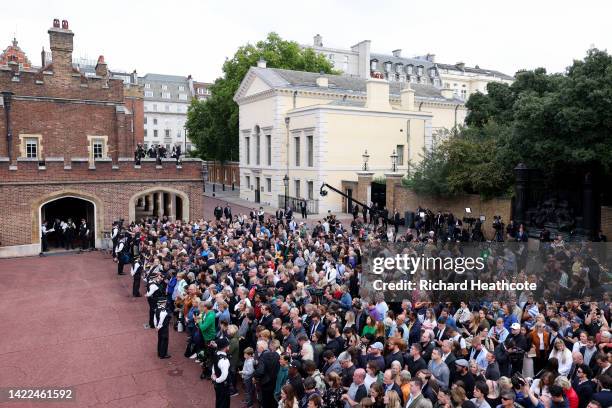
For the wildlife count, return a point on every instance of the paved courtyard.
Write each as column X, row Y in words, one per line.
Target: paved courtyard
column 70, row 321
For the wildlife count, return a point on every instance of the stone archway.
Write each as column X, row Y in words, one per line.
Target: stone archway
column 160, row 200
column 98, row 212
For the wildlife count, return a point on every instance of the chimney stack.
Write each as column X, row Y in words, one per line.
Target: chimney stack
column 101, row 67
column 447, row 93
column 460, row 65
column 377, row 94
column 261, row 63
column 397, row 53
column 60, row 40
column 431, row 57
column 322, row 81
column 318, row 40
column 407, row 97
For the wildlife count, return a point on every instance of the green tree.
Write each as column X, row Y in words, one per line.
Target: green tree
column 213, row 124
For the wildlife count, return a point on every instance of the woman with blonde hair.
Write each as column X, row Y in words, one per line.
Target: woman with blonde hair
column 568, row 390
column 429, row 321
column 392, row 400
column 563, row 355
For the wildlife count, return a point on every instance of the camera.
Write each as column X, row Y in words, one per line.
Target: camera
column 518, row 381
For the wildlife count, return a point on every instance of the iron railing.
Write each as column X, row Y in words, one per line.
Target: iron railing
column 312, row 206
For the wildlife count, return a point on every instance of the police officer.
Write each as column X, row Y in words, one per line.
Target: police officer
column 162, row 324
column 122, row 254
column 154, row 292
column 115, row 239
column 220, row 374
column 137, row 269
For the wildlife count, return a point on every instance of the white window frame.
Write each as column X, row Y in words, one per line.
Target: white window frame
column 31, row 141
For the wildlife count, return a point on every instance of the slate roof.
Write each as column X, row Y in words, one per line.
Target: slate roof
column 481, row 71
column 341, row 84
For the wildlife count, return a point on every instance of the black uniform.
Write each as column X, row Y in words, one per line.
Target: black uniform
column 218, row 212
column 162, row 324
column 137, row 270
column 303, row 209
column 154, row 293
column 84, row 235
column 222, row 389
column 227, row 212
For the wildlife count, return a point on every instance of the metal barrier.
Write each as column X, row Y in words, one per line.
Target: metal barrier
column 312, row 206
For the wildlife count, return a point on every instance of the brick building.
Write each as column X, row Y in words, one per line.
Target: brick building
column 66, row 150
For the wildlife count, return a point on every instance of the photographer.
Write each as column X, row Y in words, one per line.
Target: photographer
column 498, row 226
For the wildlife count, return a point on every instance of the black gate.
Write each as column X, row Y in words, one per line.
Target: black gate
column 379, row 194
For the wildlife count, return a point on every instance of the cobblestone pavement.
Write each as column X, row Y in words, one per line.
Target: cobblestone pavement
column 70, row 321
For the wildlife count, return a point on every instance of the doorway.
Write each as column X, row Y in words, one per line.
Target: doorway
column 65, row 209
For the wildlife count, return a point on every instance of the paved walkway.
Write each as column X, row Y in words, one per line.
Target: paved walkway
column 70, row 321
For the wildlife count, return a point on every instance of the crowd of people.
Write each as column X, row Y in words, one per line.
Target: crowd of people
column 158, row 152
column 272, row 307
column 65, row 234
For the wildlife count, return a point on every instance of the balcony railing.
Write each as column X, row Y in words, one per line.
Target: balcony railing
column 312, row 206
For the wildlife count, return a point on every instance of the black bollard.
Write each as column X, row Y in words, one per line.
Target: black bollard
column 232, row 186
column 223, row 186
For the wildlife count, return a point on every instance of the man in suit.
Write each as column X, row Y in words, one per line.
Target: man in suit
column 604, row 396
column 266, row 372
column 227, row 212
column 266, row 318
column 390, row 385
column 447, row 355
column 440, row 332
column 417, row 399
column 303, row 209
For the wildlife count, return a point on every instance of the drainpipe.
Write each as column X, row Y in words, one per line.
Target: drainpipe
column 294, row 98
column 7, row 98
column 420, row 105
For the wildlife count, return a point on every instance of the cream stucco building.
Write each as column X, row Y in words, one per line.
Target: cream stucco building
column 315, row 128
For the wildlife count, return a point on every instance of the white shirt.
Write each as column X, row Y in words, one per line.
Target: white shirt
column 224, row 366
column 152, row 289
column 162, row 316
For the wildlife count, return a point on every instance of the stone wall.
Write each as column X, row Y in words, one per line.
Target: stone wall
column 407, row 200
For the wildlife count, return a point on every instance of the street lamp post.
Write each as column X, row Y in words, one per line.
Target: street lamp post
column 365, row 156
column 393, row 161
column 286, row 182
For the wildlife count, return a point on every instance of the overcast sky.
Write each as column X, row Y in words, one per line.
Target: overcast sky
column 194, row 37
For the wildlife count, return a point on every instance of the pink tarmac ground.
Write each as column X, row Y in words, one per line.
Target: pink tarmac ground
column 70, row 321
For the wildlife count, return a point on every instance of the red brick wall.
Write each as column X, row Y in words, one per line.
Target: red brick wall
column 65, row 113
column 408, row 200
column 19, row 215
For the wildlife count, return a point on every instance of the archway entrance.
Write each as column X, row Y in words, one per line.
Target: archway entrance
column 65, row 209
column 159, row 202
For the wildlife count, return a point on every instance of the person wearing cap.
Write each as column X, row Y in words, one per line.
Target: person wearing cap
column 375, row 355
column 220, row 374
column 162, row 324
column 517, row 345
column 463, row 374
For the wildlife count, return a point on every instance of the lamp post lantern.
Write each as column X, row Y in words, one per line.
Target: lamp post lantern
column 394, row 161
column 365, row 156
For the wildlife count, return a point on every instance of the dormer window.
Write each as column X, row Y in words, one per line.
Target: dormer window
column 388, row 66
column 420, row 70
column 432, row 72
column 409, row 69
column 373, row 64
column 399, row 67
